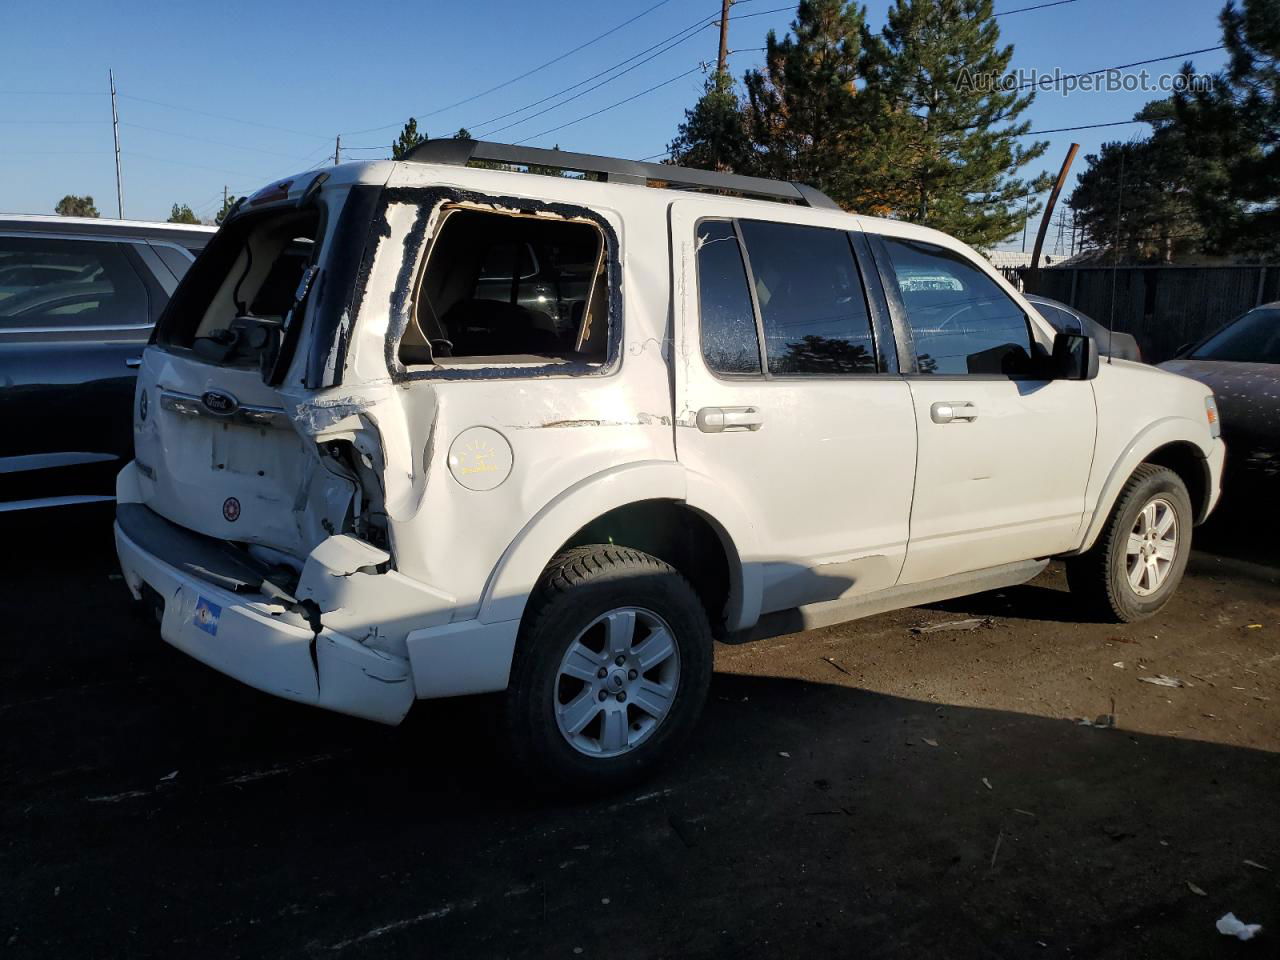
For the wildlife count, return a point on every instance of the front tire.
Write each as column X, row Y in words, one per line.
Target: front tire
column 1138, row 561
column 611, row 668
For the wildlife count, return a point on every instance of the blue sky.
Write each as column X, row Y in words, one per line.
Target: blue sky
column 191, row 74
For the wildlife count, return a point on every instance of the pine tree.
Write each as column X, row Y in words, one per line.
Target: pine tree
column 182, row 213
column 1142, row 187
column 713, row 135
column 228, row 205
column 409, row 138
column 948, row 124
column 1233, row 131
column 74, row 206
column 802, row 113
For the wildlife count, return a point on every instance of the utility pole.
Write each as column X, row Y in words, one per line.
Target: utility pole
column 115, row 130
column 1026, row 215
column 337, row 150
column 1034, row 274
column 722, row 64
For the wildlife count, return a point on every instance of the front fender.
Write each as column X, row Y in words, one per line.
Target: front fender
column 1151, row 438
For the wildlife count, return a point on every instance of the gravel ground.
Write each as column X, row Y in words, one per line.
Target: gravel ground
column 1003, row 787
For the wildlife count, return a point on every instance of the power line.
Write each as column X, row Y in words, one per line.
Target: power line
column 576, row 96
column 685, row 34
column 198, row 166
column 1083, row 126
column 1042, row 84
column 667, row 44
column 54, row 93
column 596, row 113
column 220, row 143
column 527, row 73
column 1039, row 6
column 53, row 121
column 221, row 116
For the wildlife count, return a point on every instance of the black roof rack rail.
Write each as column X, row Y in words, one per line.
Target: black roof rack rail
column 615, row 170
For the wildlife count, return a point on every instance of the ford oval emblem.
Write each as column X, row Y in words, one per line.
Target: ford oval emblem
column 217, row 402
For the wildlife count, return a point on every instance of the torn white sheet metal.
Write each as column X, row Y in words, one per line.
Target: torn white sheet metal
column 376, row 609
column 257, row 644
column 395, row 437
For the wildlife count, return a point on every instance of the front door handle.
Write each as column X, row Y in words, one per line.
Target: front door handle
column 133, row 363
column 952, row 411
column 721, row 419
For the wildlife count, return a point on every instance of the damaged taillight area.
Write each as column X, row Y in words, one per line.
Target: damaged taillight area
column 368, row 516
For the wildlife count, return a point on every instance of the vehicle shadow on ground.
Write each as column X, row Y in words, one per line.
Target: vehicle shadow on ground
column 1046, row 598
column 154, row 807
column 1243, row 531
column 1246, row 524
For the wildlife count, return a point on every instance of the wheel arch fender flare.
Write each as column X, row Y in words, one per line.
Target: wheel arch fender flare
column 1149, row 439
column 522, row 563
column 737, row 533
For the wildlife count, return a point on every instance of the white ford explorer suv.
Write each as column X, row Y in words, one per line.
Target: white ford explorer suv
column 437, row 427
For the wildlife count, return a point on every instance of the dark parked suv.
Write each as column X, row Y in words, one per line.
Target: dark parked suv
column 78, row 299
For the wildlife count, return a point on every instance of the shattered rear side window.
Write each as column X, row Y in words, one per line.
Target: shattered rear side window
column 510, row 289
column 730, row 341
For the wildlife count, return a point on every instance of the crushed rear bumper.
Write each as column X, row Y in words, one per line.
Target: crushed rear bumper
column 213, row 612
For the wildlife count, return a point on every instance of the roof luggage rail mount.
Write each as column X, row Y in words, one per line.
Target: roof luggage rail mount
column 460, row 152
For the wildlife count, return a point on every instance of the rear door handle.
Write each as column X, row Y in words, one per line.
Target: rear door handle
column 721, row 419
column 133, row 363
column 951, row 411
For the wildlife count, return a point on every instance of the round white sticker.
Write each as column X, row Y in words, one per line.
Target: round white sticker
column 480, row 458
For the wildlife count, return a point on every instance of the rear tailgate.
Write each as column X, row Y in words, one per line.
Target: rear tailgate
column 219, row 454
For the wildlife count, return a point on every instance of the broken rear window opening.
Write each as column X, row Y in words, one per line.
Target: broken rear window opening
column 241, row 302
column 510, row 289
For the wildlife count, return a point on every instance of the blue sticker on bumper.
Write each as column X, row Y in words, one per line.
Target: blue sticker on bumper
column 206, row 616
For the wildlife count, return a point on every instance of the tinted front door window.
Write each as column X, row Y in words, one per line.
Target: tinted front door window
column 960, row 319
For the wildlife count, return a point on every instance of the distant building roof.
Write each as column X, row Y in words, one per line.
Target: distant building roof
column 1009, row 258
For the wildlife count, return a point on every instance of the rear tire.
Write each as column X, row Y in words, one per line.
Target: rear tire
column 611, row 669
column 1139, row 558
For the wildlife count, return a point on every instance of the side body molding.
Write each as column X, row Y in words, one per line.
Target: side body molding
column 738, row 537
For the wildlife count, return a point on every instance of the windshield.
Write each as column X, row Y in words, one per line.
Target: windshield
column 1253, row 338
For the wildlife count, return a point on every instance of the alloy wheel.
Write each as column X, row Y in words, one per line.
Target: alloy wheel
column 1152, row 547
column 617, row 682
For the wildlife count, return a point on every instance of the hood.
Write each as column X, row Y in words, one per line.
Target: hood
column 1248, row 396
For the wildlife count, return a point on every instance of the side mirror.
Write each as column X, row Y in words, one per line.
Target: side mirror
column 1075, row 357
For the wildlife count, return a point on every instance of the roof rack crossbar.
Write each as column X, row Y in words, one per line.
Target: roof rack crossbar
column 616, row 170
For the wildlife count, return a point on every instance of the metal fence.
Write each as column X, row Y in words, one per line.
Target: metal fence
column 1164, row 307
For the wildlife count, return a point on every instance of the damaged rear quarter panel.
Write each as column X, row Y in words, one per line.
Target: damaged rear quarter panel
column 564, row 426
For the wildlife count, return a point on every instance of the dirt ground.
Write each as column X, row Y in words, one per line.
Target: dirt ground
column 858, row 791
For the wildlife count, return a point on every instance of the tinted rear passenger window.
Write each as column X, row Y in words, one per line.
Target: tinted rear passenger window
column 173, row 258
column 54, row 283
column 728, row 322
column 812, row 305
